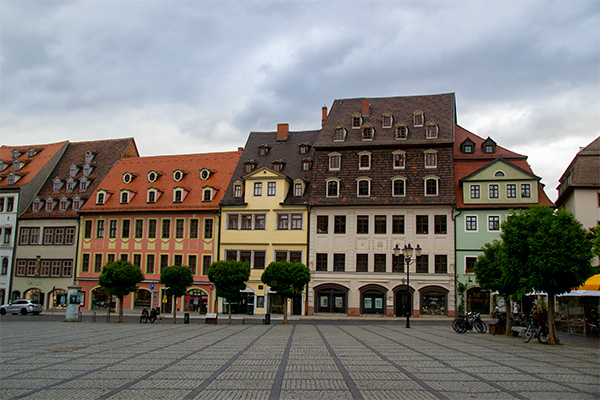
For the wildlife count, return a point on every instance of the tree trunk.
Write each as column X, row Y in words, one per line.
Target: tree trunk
column 120, row 309
column 553, row 335
column 229, row 306
column 174, row 309
column 285, row 303
column 508, row 310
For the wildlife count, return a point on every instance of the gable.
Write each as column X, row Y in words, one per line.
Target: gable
column 491, row 172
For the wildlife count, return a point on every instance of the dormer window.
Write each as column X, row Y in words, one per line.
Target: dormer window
column 152, row 176
column 73, row 170
column 249, row 166
column 432, row 131
column 386, row 120
column 76, row 203
column 36, row 205
column 70, row 184
column 418, row 118
column 127, row 177
column 63, row 204
column 83, row 184
column 467, row 146
column 303, row 148
column 11, row 178
column 263, row 149
column 178, row 195
column 489, row 146
column 16, row 153
column 88, row 157
column 31, row 152
column 204, row 174
column 237, row 190
column 87, row 170
column 100, row 198
column 178, row 175
column 2, row 165
column 298, row 189
column 368, row 133
column 207, row 194
column 430, row 159
column 364, row 160
column 16, row 165
column 278, row 165
column 49, row 204
column 124, row 196
column 151, row 197
column 401, row 132
column 306, row 164
column 356, row 121
column 340, row 134
column 56, row 185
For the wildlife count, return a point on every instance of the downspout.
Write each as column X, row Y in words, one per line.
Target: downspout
column 307, row 253
column 454, row 216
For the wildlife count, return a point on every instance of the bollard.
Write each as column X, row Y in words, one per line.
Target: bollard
column 186, row 318
column 267, row 320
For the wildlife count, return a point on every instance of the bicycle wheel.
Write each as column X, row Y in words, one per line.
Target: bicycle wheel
column 456, row 325
column 480, row 326
column 543, row 336
column 528, row 334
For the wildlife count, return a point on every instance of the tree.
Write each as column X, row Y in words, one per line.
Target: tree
column 550, row 251
column 120, row 278
column 287, row 279
column 177, row 279
column 229, row 278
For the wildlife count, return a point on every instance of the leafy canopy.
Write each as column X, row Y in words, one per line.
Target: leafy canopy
column 177, row 279
column 120, row 278
column 229, row 277
column 286, row 278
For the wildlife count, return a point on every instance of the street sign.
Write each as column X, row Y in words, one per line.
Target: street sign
column 152, row 286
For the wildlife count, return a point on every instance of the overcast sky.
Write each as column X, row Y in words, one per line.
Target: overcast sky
column 197, row 76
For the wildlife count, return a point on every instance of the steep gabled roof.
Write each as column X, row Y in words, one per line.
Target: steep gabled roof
column 32, row 166
column 219, row 165
column 582, row 172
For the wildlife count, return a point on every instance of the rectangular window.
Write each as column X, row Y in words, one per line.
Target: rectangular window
column 398, row 263
column 112, row 228
column 322, row 223
column 475, row 192
column 282, row 221
column 208, row 228
column 151, row 229
column 192, row 262
column 362, row 263
column 48, row 235
column 45, row 269
column 257, row 189
column 339, row 262
column 110, row 258
column 98, row 263
column 380, row 224
column 298, row 189
column 259, row 260
column 259, row 221
column 137, row 260
column 295, row 256
column 69, row 236
column 166, row 229
column 87, row 232
column 139, row 228
column 34, row 235
column 164, row 261
column 7, row 234
column 511, row 190
column 441, row 264
column 231, row 255
column 334, row 162
column 59, row 235
column 471, row 222
column 398, row 224
column 493, row 190
column 31, row 267
column 271, row 188
column 246, row 221
column 525, row 190
column 206, row 262
column 470, row 264
column 100, row 229
column 124, row 257
column 85, row 263
column 193, row 228
column 56, row 267
column 21, row 266
column 125, row 228
column 10, row 204
column 494, row 223
column 398, row 187
column 232, row 221
column 281, row 256
column 422, row 264
column 150, row 263
column 237, row 190
column 399, row 160
column 430, row 160
column 380, row 262
column 178, row 259
column 339, row 224
column 24, row 236
column 441, row 226
column 179, row 225
column 422, row 224
column 321, row 262
column 362, row 224
column 297, row 221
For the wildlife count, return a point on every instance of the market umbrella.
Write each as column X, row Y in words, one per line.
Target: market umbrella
column 592, row 283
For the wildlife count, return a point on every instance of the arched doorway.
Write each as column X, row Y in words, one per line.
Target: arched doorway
column 57, row 298
column 331, row 298
column 403, row 301
column 143, row 299
column 196, row 300
column 372, row 299
column 34, row 294
column 434, row 300
column 478, row 300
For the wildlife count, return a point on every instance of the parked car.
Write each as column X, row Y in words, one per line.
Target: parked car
column 21, row 306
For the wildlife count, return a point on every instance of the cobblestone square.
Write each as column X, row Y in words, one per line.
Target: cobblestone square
column 51, row 359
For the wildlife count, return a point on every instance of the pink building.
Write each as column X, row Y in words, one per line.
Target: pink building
column 155, row 212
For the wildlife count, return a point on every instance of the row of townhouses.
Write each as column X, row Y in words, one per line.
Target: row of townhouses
column 379, row 174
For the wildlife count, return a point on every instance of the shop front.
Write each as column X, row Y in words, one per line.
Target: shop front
column 434, row 300
column 331, row 298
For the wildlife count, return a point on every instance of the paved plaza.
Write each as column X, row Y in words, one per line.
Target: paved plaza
column 363, row 360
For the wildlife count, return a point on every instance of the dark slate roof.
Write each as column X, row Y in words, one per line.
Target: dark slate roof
column 584, row 172
column 106, row 154
column 288, row 151
column 437, row 108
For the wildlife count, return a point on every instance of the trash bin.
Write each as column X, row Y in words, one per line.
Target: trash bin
column 267, row 320
column 186, row 318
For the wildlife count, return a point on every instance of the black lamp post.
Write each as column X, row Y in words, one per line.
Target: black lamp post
column 407, row 252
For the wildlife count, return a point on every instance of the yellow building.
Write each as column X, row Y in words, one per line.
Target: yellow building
column 264, row 212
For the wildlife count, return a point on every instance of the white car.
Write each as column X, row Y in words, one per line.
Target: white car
column 21, row 306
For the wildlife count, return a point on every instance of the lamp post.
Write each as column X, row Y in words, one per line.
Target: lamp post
column 407, row 252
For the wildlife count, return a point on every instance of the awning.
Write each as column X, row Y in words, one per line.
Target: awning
column 592, row 283
column 581, row 293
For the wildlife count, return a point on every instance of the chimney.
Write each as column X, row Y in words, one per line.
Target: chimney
column 323, row 116
column 240, row 149
column 365, row 107
column 283, row 131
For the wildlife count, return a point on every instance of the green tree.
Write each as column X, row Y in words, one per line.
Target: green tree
column 177, row 279
column 120, row 278
column 287, row 279
column 594, row 236
column 229, row 278
column 551, row 252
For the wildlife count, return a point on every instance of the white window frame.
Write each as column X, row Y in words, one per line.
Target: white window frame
column 426, row 155
column 257, row 192
column 368, row 155
column 237, row 190
column 435, row 128
column 210, row 192
column 467, row 217
column 383, row 117
column 335, row 132
column 471, row 187
column 363, row 179
column 327, row 182
column 331, row 156
column 514, row 196
column 421, row 115
column 101, row 197
column 497, row 187
column 371, row 131
column 437, row 186
column 399, row 179
column 489, row 220
column 403, row 154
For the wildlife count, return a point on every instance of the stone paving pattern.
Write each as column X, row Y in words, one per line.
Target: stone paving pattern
column 52, row 360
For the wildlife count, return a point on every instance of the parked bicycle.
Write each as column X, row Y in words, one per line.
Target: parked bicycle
column 537, row 328
column 469, row 321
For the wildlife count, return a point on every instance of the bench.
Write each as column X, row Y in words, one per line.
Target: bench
column 518, row 330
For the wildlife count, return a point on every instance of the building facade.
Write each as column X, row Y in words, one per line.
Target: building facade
column 265, row 212
column 382, row 178
column 46, row 248
column 155, row 212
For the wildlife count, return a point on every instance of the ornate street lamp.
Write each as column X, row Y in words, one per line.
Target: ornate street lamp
column 407, row 252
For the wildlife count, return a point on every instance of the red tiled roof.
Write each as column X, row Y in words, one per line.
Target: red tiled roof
column 220, row 165
column 32, row 165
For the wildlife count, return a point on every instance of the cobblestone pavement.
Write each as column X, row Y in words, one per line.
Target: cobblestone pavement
column 56, row 360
